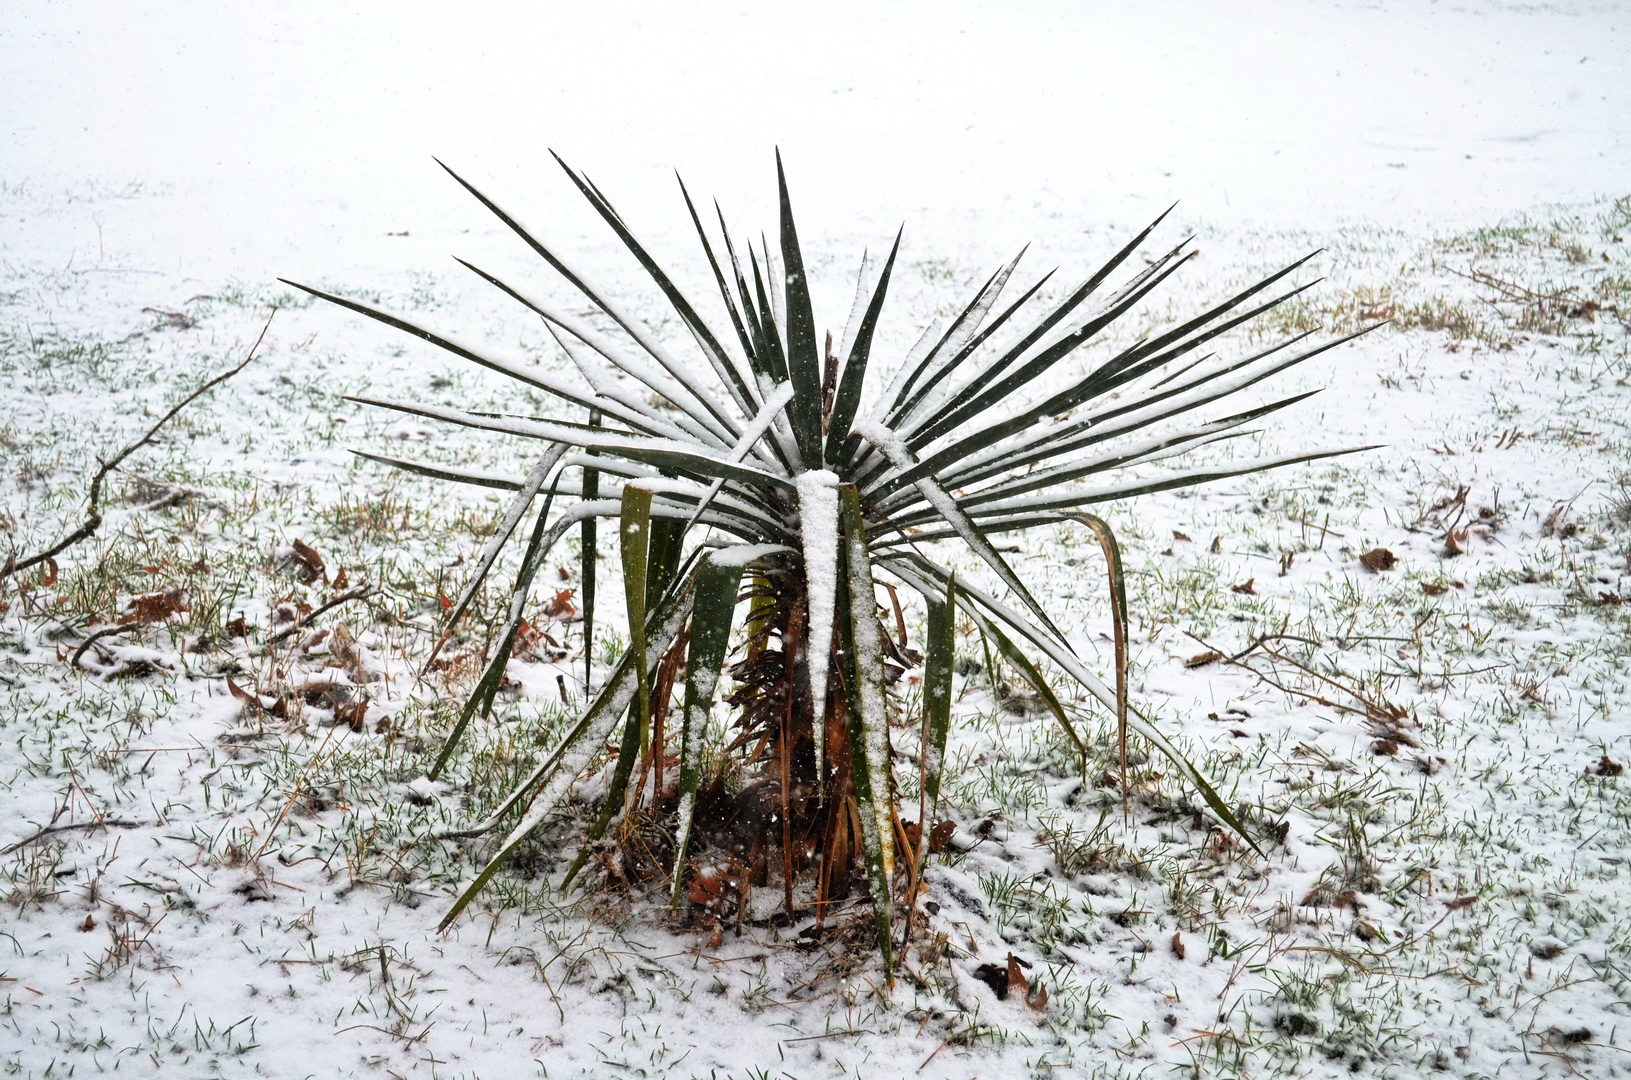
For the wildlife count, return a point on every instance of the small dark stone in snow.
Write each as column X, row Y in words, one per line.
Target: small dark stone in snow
column 995, row 977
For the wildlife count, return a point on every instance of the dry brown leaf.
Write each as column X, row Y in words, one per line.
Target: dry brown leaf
column 1017, row 979
column 352, row 715
column 561, row 606
column 1202, row 659
column 1247, row 587
column 1377, row 560
column 309, row 563
column 1431, row 589
column 155, row 607
column 1178, row 949
column 1461, row 902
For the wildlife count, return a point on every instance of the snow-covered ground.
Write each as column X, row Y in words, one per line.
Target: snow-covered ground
column 195, row 886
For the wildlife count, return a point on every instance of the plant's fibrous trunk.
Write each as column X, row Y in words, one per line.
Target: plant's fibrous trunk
column 772, row 795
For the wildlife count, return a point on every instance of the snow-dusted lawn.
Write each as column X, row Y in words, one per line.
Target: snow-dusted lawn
column 201, row 873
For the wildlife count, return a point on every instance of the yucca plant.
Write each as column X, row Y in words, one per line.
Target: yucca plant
column 818, row 476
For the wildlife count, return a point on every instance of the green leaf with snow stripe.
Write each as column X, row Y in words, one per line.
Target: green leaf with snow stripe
column 573, row 753
column 704, row 334
column 634, row 545
column 954, row 342
column 481, row 698
column 847, row 399
column 803, row 355
column 613, row 310
column 437, row 471
column 736, row 315
column 868, row 719
column 940, row 655
column 660, row 453
column 971, row 534
column 589, row 563
column 715, row 606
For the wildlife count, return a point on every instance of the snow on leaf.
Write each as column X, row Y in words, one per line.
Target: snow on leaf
column 818, row 515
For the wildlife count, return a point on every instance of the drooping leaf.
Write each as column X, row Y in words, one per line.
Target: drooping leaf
column 1032, row 675
column 1118, row 618
column 911, row 565
column 438, row 471
column 495, row 543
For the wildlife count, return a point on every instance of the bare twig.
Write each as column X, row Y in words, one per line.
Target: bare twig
column 356, row 592
column 100, row 823
column 93, row 520
column 106, row 631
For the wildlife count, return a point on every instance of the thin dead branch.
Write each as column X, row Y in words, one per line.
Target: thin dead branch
column 356, row 592
column 93, row 519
